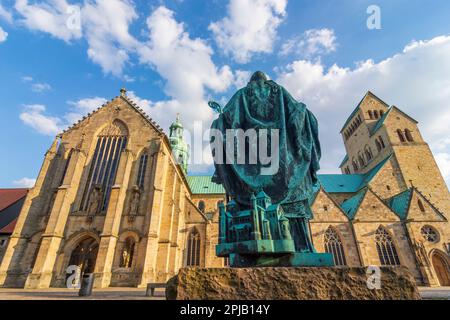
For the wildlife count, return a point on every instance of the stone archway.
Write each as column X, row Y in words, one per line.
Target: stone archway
column 442, row 268
column 85, row 255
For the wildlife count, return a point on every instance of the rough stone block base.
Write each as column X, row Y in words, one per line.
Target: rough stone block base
column 310, row 283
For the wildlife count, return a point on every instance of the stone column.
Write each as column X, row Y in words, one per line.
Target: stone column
column 165, row 231
column 151, row 239
column 175, row 243
column 111, row 227
column 42, row 273
column 18, row 240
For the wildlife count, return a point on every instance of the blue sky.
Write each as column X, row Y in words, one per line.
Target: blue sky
column 322, row 51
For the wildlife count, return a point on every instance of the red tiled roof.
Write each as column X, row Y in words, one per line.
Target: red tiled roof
column 11, row 196
column 9, row 228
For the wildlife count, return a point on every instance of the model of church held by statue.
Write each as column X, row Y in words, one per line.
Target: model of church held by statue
column 260, row 236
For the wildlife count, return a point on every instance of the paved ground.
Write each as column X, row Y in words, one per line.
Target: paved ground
column 68, row 294
column 435, row 293
column 139, row 294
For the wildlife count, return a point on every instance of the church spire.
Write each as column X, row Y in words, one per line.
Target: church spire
column 180, row 150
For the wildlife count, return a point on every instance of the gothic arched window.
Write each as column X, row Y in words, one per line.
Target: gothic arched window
column 111, row 141
column 334, row 246
column 193, row 249
column 386, row 248
column 141, row 170
column 400, row 135
column 127, row 254
column 408, row 135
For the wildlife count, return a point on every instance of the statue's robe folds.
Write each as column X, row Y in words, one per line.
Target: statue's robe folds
column 267, row 105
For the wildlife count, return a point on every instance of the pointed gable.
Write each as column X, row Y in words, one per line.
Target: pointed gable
column 351, row 205
column 368, row 99
column 420, row 208
column 325, row 209
column 368, row 206
column 111, row 103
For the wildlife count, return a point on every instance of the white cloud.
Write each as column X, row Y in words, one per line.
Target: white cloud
column 25, row 183
column 105, row 24
column 416, row 80
column 250, row 27
column 35, row 117
column 50, row 16
column 186, row 65
column 443, row 161
column 310, row 43
column 241, row 78
column 3, row 35
column 5, row 14
column 27, row 79
column 40, row 87
column 82, row 107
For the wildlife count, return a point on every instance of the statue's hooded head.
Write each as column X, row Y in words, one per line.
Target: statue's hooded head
column 258, row 76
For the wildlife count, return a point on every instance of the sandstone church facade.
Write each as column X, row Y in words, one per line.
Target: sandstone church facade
column 113, row 196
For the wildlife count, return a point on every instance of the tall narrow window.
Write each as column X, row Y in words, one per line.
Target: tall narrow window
column 110, row 144
column 66, row 166
column 361, row 161
column 201, row 206
column 355, row 165
column 382, row 142
column 386, row 248
column 193, row 249
column 400, row 135
column 378, row 144
column 334, row 246
column 126, row 259
column 375, row 114
column 141, row 170
column 370, row 114
column 420, row 204
column 408, row 135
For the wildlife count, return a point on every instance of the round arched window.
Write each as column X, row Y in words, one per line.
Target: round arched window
column 201, row 206
column 430, row 234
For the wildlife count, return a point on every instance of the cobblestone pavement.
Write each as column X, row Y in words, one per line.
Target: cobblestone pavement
column 139, row 294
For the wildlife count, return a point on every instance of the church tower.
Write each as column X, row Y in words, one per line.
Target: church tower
column 375, row 132
column 180, row 149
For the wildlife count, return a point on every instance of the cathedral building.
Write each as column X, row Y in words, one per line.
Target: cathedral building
column 114, row 197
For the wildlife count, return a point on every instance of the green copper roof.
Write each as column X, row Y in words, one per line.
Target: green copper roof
column 344, row 161
column 351, row 206
column 380, row 122
column 341, row 183
column 400, row 203
column 332, row 183
column 204, row 185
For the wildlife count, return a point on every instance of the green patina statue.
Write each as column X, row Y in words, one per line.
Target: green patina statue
column 266, row 219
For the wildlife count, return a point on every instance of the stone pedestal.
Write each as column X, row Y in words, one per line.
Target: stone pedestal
column 279, row 283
